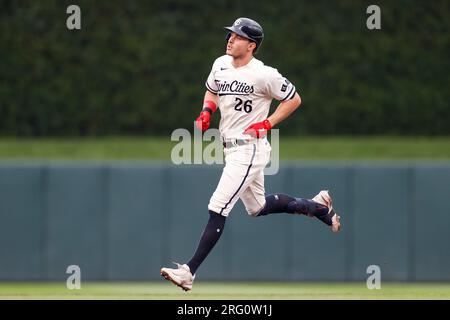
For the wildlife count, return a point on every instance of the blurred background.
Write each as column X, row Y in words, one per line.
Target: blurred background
column 86, row 117
column 139, row 67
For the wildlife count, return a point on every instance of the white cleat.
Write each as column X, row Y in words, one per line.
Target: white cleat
column 324, row 198
column 181, row 276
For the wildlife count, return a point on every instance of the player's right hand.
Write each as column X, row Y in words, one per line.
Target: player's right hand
column 203, row 120
column 259, row 129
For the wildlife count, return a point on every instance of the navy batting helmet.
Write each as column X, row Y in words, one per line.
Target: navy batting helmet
column 249, row 29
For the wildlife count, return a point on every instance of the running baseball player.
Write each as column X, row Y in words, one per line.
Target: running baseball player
column 242, row 87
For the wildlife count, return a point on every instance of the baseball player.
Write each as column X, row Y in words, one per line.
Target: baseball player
column 242, row 87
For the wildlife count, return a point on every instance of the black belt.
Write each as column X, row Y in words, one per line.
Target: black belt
column 235, row 143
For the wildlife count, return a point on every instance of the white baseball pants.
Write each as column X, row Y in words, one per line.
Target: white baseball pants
column 242, row 178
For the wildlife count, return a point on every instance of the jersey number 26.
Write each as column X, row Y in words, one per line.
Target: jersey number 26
column 247, row 105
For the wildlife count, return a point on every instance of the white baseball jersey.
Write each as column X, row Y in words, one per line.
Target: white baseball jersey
column 245, row 93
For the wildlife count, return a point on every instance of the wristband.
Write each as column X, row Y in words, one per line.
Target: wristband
column 209, row 106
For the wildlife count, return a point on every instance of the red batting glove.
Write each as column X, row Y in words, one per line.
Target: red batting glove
column 203, row 121
column 259, row 129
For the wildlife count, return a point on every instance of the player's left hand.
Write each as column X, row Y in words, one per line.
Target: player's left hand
column 259, row 129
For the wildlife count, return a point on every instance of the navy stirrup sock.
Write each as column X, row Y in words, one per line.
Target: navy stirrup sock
column 279, row 203
column 211, row 234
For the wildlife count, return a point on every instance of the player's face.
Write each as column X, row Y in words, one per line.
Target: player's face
column 238, row 46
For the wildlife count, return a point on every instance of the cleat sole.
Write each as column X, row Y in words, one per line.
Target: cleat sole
column 166, row 276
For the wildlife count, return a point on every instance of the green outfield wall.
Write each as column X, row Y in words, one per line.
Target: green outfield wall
column 124, row 220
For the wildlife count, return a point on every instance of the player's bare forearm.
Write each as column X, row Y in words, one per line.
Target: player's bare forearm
column 211, row 97
column 284, row 110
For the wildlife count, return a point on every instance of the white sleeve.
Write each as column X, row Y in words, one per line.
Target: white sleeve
column 210, row 82
column 278, row 87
